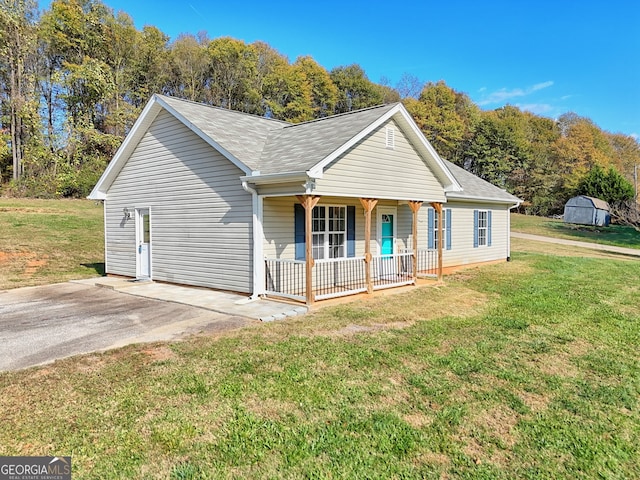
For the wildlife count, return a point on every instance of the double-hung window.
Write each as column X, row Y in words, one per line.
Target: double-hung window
column 482, row 228
column 432, row 228
column 333, row 231
column 329, row 230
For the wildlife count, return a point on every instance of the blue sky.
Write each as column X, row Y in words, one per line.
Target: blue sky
column 547, row 57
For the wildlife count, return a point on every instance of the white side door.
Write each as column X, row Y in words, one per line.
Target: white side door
column 143, row 241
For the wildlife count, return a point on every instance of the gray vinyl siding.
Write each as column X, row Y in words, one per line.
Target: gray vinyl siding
column 201, row 218
column 371, row 170
column 462, row 250
column 279, row 227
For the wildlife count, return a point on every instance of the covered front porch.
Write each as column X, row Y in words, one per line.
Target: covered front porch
column 318, row 248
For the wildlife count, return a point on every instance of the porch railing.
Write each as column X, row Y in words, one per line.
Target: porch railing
column 285, row 278
column 427, row 261
column 337, row 277
column 392, row 270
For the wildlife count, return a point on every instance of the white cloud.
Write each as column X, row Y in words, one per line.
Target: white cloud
column 635, row 136
column 537, row 108
column 503, row 95
column 540, row 86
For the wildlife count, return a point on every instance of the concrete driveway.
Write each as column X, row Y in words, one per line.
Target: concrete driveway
column 41, row 324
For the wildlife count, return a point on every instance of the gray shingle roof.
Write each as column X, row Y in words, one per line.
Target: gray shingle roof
column 299, row 147
column 241, row 134
column 273, row 146
column 475, row 188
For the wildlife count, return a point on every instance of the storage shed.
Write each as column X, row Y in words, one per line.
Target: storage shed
column 585, row 210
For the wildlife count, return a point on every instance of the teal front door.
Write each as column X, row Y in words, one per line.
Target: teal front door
column 386, row 234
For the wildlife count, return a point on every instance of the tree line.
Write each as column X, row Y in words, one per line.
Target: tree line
column 74, row 78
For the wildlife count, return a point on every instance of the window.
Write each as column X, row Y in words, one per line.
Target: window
column 333, row 231
column 482, row 228
column 329, row 227
column 432, row 225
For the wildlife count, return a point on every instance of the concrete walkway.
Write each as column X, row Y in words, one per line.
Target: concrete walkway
column 634, row 252
column 215, row 301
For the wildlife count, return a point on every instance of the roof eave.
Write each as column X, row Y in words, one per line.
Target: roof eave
column 275, row 178
column 474, row 199
column 99, row 192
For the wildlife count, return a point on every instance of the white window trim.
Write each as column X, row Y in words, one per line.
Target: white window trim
column 485, row 228
column 382, row 211
column 435, row 228
column 326, row 232
column 436, row 219
column 139, row 226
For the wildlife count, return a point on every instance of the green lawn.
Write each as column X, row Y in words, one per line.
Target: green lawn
column 526, row 369
column 49, row 241
column 619, row 235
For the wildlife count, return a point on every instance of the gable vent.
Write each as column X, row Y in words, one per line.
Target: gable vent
column 391, row 137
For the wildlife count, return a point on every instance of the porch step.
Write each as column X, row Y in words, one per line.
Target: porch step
column 295, row 311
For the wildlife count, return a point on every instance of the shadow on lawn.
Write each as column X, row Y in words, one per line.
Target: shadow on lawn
column 621, row 235
column 98, row 267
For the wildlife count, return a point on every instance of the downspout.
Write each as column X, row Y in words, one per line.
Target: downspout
column 509, row 231
column 258, row 235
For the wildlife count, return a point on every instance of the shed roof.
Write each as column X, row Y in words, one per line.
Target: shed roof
column 595, row 202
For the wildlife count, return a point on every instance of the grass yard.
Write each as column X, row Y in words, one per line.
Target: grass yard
column 618, row 235
column 526, row 369
column 49, row 241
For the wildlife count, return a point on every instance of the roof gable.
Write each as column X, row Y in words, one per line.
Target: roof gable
column 311, row 146
column 302, row 146
column 238, row 136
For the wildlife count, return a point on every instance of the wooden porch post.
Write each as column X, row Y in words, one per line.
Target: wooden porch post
column 415, row 208
column 368, row 204
column 308, row 202
column 438, row 208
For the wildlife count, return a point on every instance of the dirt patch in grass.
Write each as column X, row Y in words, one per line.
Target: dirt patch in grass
column 159, row 353
column 34, row 265
column 561, row 363
column 500, row 423
column 395, row 312
column 356, row 329
column 490, row 435
column 418, row 419
column 24, row 264
column 535, row 402
column 433, row 458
